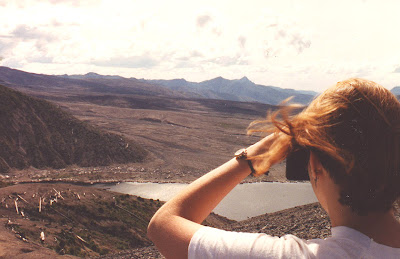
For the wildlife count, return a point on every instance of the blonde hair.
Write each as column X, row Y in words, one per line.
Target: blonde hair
column 353, row 128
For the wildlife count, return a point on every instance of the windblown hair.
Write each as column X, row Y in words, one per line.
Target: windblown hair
column 354, row 130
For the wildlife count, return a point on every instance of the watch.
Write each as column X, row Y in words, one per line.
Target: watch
column 241, row 154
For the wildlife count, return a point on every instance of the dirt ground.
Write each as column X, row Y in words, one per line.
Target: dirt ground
column 185, row 139
column 75, row 219
column 11, row 246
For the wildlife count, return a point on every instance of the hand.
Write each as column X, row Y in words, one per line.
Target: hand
column 255, row 151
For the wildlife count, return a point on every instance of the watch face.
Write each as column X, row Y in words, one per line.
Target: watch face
column 240, row 153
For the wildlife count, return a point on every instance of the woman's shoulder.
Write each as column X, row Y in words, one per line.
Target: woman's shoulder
column 350, row 243
column 215, row 243
column 210, row 242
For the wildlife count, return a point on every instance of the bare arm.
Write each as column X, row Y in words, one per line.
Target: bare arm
column 174, row 224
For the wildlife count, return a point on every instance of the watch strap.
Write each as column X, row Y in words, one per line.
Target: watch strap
column 241, row 154
column 253, row 172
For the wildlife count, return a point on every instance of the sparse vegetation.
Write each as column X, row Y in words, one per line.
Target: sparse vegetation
column 185, row 138
column 84, row 222
column 39, row 134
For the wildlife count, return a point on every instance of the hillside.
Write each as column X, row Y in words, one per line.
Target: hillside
column 47, row 85
column 37, row 133
column 77, row 220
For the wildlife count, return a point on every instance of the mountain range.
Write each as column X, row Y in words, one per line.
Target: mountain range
column 242, row 90
column 218, row 88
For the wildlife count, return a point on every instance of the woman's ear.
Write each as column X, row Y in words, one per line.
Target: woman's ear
column 314, row 166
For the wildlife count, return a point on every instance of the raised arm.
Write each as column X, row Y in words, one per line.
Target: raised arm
column 174, row 224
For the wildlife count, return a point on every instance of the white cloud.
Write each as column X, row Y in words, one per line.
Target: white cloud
column 242, row 41
column 26, row 4
column 25, row 32
column 228, row 60
column 202, row 20
column 6, row 45
column 144, row 61
column 295, row 44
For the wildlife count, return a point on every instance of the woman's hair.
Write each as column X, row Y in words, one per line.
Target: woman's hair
column 354, row 130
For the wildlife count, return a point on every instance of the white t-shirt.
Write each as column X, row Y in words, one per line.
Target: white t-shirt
column 344, row 243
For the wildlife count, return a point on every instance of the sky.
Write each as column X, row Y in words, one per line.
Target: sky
column 306, row 44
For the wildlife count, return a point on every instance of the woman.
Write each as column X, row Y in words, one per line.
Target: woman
column 352, row 134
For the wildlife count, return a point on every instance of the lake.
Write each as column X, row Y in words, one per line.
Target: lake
column 246, row 200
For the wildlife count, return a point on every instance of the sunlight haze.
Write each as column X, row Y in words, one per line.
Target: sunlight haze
column 306, row 45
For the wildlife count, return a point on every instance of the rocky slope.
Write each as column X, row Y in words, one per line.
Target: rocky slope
column 308, row 222
column 37, row 133
column 76, row 220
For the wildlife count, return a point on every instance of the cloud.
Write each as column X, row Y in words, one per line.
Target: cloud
column 28, row 3
column 13, row 62
column 217, row 31
column 299, row 43
column 143, row 61
column 293, row 38
column 189, row 60
column 228, row 60
column 25, row 32
column 41, row 59
column 185, row 64
column 242, row 41
column 55, row 23
column 64, row 1
column 271, row 52
column 397, row 70
column 73, row 3
column 208, row 24
column 195, row 54
column 282, row 38
column 364, row 71
column 6, row 46
column 202, row 20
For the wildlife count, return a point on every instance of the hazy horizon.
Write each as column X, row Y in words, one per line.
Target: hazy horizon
column 307, row 45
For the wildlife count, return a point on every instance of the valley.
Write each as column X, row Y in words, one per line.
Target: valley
column 177, row 137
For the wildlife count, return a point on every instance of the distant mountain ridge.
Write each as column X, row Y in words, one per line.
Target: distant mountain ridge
column 242, row 90
column 90, row 83
column 396, row 90
column 218, row 88
column 37, row 133
column 236, row 90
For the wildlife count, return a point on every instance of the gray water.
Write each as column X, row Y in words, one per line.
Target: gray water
column 245, row 200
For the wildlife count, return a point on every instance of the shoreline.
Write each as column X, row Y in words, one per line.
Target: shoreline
column 142, row 173
column 116, row 181
column 306, row 221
